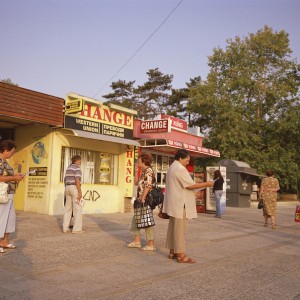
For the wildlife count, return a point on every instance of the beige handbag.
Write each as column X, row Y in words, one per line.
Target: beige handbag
column 3, row 193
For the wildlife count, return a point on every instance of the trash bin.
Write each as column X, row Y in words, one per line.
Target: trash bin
column 240, row 178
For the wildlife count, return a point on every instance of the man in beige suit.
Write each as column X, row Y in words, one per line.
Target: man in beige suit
column 180, row 205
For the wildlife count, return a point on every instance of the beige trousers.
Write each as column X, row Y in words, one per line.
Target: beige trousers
column 71, row 205
column 176, row 234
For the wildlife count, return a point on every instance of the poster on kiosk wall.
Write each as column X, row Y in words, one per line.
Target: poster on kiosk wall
column 210, row 196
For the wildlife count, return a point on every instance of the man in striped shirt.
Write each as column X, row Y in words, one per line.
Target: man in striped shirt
column 73, row 195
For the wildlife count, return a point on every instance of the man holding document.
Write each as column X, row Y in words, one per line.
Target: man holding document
column 73, row 196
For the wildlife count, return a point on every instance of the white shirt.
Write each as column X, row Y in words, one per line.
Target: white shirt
column 177, row 196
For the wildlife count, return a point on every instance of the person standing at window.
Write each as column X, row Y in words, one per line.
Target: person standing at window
column 180, row 205
column 7, row 210
column 73, row 196
column 218, row 191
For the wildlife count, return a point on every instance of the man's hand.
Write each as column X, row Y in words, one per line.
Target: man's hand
column 18, row 177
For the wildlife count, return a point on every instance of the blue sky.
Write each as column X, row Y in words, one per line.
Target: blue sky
column 61, row 46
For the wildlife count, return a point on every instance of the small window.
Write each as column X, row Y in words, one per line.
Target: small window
column 96, row 167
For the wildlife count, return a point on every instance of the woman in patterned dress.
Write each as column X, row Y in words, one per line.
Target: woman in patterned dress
column 268, row 192
column 144, row 183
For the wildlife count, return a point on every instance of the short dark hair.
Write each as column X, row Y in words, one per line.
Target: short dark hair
column 7, row 145
column 217, row 174
column 146, row 158
column 270, row 173
column 181, row 153
column 75, row 158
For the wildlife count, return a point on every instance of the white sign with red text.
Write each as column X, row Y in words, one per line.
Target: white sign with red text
column 176, row 124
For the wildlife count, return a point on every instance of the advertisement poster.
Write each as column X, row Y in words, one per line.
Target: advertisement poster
column 37, row 184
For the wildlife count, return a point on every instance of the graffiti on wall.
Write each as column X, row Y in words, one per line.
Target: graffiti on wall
column 91, row 195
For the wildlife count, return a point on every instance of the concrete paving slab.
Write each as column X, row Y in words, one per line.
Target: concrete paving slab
column 237, row 258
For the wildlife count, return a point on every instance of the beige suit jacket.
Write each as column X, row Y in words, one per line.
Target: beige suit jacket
column 177, row 196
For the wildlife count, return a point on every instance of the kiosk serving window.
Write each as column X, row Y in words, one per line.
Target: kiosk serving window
column 96, row 167
column 161, row 164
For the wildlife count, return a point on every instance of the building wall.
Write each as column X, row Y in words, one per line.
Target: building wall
column 40, row 148
column 33, row 152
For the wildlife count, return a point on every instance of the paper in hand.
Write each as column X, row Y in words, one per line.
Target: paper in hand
column 29, row 172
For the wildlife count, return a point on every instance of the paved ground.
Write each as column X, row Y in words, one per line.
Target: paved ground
column 237, row 258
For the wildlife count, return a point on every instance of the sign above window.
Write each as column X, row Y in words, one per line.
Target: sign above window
column 176, row 123
column 155, row 126
column 89, row 115
column 74, row 106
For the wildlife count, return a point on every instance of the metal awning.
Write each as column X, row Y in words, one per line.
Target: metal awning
column 171, row 146
column 102, row 137
column 251, row 173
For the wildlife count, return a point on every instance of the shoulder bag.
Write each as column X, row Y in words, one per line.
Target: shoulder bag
column 3, row 193
column 155, row 196
column 3, row 189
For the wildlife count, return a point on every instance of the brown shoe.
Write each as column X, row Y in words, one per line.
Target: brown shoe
column 185, row 260
column 172, row 256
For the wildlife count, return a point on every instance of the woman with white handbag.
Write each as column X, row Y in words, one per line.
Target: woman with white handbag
column 7, row 181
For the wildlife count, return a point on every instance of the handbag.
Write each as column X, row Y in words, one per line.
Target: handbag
column 155, row 196
column 3, row 193
column 260, row 204
column 143, row 216
column 161, row 214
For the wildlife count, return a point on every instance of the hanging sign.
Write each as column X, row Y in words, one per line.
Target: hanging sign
column 155, row 126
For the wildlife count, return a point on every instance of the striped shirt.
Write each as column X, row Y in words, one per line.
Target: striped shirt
column 73, row 171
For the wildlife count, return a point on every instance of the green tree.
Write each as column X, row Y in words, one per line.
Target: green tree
column 152, row 97
column 179, row 101
column 249, row 104
column 8, row 81
column 123, row 94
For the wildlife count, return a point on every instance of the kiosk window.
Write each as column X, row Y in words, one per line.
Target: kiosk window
column 161, row 164
column 96, row 167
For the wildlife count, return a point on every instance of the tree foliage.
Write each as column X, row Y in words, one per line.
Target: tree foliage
column 123, row 94
column 149, row 99
column 8, row 81
column 249, row 104
column 178, row 103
